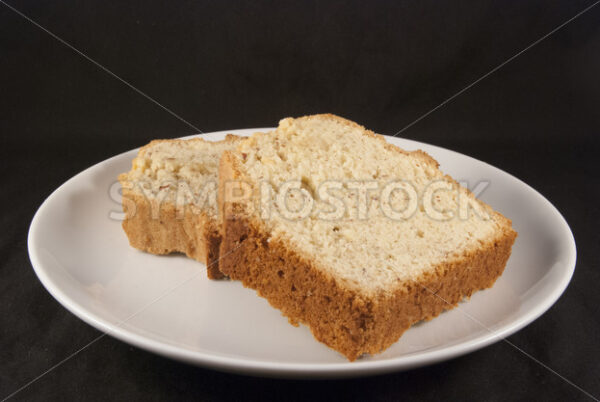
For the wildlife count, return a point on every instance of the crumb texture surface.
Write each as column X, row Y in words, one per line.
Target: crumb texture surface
column 367, row 246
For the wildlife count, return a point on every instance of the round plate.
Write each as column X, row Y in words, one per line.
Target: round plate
column 165, row 304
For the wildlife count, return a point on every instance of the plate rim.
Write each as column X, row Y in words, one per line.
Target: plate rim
column 303, row 370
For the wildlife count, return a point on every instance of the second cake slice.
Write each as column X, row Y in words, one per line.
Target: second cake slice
column 169, row 197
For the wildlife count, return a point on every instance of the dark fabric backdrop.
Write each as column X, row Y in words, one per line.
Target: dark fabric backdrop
column 226, row 65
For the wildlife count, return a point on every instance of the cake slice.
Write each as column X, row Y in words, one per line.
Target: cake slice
column 169, row 199
column 350, row 235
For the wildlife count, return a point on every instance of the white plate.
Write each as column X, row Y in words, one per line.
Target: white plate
column 167, row 305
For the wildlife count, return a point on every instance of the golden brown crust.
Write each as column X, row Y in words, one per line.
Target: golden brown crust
column 159, row 228
column 344, row 318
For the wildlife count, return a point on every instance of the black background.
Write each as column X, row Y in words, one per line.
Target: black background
column 226, row 65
